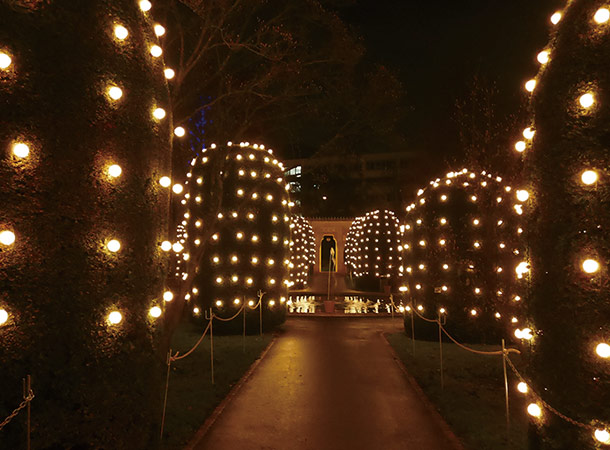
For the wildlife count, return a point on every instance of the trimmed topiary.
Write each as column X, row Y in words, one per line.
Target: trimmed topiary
column 248, row 251
column 463, row 244
column 568, row 167
column 302, row 252
column 81, row 153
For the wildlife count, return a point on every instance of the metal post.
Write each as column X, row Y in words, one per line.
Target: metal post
column 412, row 329
column 212, row 343
column 26, row 392
column 392, row 305
column 168, row 362
column 506, row 392
column 260, row 310
column 244, row 335
column 440, row 347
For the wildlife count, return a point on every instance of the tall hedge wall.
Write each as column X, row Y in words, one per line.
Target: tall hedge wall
column 96, row 383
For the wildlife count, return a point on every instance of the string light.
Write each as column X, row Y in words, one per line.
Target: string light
column 177, row 188
column 115, row 92
column 168, row 296
column 5, row 61
column 7, row 237
column 543, row 57
column 121, row 32
column 522, row 387
column 602, row 15
column 589, row 177
column 115, row 317
column 534, row 410
column 602, row 436
column 520, row 146
column 166, row 246
column 169, row 73
column 145, row 5
column 159, row 30
column 179, row 131
column 156, row 51
column 586, row 100
column 155, row 312
column 530, row 85
column 113, row 245
column 522, row 195
column 21, row 150
column 3, row 316
column 165, row 182
column 603, row 350
column 555, row 18
column 590, row 266
column 115, row 171
column 159, row 113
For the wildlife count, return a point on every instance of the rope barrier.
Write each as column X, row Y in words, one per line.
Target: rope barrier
column 16, row 411
column 472, row 350
column 175, row 356
column 228, row 320
column 545, row 404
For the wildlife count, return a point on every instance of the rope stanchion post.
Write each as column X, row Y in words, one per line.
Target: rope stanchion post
column 243, row 340
column 412, row 330
column 168, row 362
column 504, row 355
column 26, row 390
column 212, row 344
column 260, row 305
column 27, row 398
column 440, row 349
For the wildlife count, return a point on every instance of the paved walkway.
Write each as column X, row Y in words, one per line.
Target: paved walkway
column 327, row 384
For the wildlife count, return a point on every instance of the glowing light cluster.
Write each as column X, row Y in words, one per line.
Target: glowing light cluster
column 373, row 247
column 458, row 245
column 302, row 251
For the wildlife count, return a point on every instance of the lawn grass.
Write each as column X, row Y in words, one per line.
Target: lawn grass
column 191, row 396
column 473, row 401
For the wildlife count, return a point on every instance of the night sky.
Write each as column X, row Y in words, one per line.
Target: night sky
column 437, row 46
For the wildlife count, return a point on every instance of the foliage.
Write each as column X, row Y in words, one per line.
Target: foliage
column 462, row 245
column 569, row 308
column 94, row 383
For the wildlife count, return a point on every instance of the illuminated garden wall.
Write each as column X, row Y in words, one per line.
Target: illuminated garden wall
column 84, row 139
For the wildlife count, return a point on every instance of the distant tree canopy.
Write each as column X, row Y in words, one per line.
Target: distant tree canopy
column 290, row 74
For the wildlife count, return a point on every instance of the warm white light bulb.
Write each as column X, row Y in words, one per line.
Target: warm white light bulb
column 21, row 150
column 590, row 266
column 113, row 245
column 602, row 436
column 530, row 85
column 555, row 18
column 177, row 247
column 528, row 133
column 543, row 57
column 7, row 237
column 177, row 188
column 168, row 296
column 159, row 30
column 115, row 171
column 179, row 131
column 586, row 100
column 121, row 32
column 602, row 15
column 520, row 146
column 156, row 51
column 155, row 312
column 3, row 316
column 5, row 61
column 115, row 317
column 522, row 195
column 166, row 246
column 534, row 410
column 165, row 182
column 159, row 113
column 589, row 177
column 145, row 5
column 169, row 73
column 522, row 387
column 603, row 350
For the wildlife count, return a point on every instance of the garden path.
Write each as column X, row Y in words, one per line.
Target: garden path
column 328, row 383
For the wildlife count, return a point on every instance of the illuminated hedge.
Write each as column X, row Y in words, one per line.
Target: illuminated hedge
column 373, row 250
column 568, row 163
column 83, row 142
column 462, row 249
column 249, row 250
column 302, row 252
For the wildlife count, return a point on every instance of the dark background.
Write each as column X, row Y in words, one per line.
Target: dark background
column 437, row 47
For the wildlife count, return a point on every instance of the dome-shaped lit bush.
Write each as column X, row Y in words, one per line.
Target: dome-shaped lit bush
column 462, row 247
column 302, row 252
column 82, row 215
column 373, row 251
column 248, row 249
